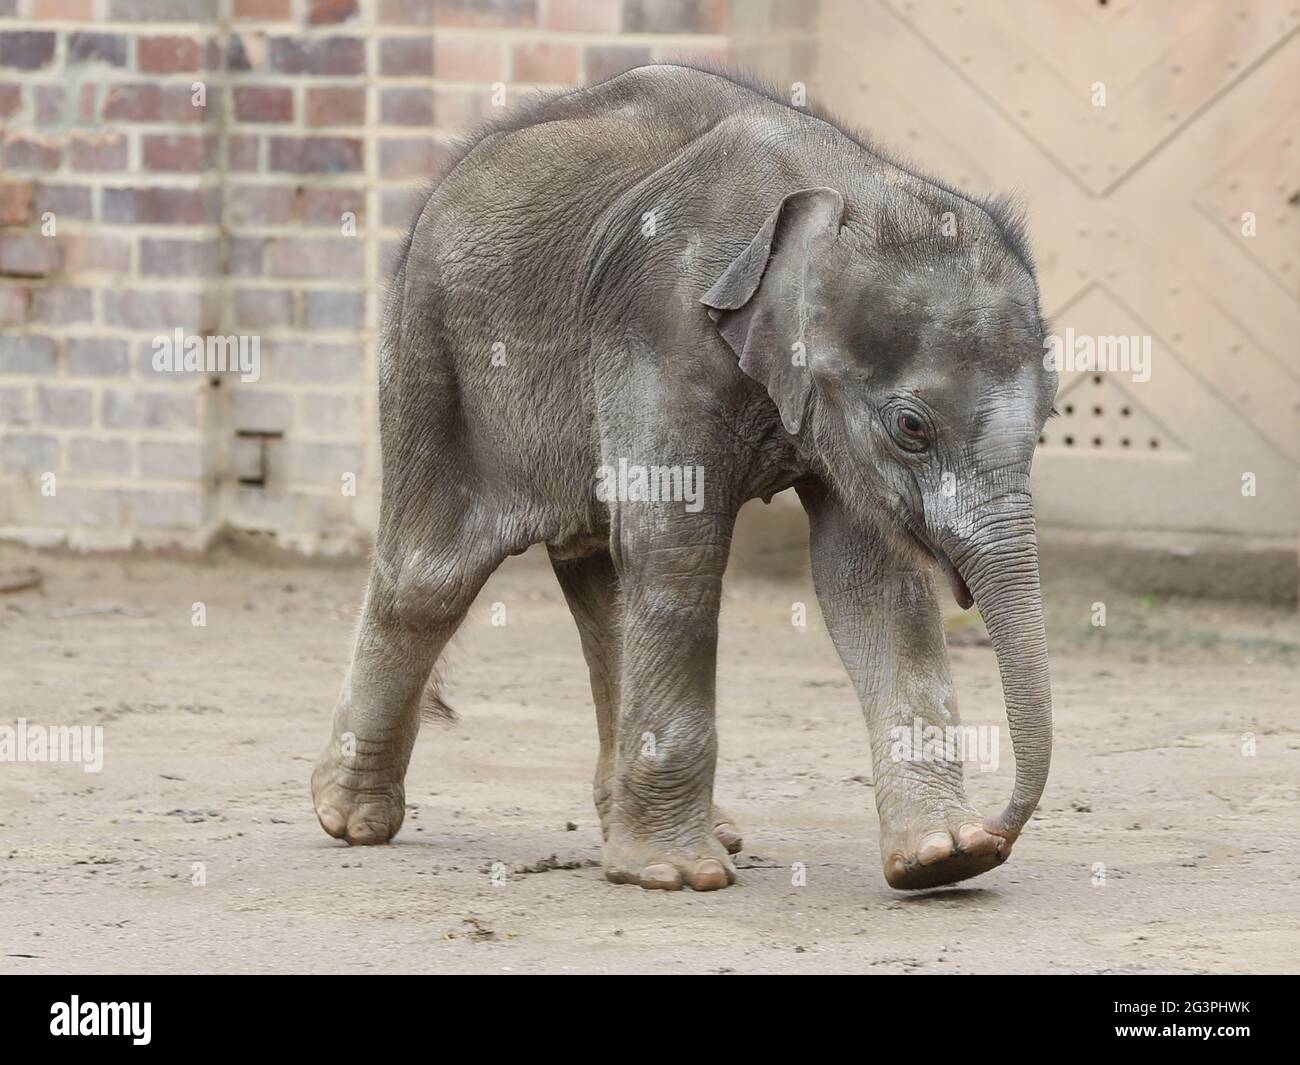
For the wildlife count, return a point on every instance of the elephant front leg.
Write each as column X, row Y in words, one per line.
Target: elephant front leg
column 883, row 615
column 661, row 827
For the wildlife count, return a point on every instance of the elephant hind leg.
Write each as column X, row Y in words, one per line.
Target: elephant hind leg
column 591, row 589
column 416, row 598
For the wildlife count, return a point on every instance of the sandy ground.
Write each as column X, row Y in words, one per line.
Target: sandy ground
column 210, row 733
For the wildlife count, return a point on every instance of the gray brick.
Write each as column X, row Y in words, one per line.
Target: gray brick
column 161, row 509
column 27, row 354
column 64, row 406
column 150, row 410
column 318, row 363
column 15, row 405
column 92, row 457
column 257, row 411
column 96, row 358
column 28, row 453
column 172, row 461
column 334, row 310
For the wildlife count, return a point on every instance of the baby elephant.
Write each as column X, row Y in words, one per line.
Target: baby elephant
column 620, row 315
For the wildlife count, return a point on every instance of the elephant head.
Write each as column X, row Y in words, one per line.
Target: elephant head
column 903, row 350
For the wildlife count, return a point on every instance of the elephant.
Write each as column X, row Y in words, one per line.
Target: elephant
column 676, row 273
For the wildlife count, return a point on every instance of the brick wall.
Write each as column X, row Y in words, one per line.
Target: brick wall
column 238, row 168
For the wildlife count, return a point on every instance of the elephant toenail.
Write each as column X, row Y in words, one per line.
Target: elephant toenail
column 934, row 848
column 972, row 839
column 709, row 875
column 661, row 875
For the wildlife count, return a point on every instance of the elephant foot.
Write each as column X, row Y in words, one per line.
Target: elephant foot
column 361, row 807
column 669, row 867
column 727, row 831
column 933, row 855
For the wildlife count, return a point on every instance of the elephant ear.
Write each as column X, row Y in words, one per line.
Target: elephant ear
column 762, row 301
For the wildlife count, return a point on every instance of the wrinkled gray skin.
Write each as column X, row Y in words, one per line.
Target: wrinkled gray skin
column 805, row 314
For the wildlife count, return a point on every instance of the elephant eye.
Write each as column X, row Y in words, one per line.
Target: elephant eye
column 908, row 428
column 911, row 425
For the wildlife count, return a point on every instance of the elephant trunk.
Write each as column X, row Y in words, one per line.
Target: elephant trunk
column 999, row 564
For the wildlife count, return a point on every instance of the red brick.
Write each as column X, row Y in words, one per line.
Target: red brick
column 26, row 49
column 261, row 205
column 398, row 206
column 587, row 16
column 545, row 61
column 167, row 206
column 406, row 107
column 315, row 257
column 407, row 158
column 49, row 104
column 675, row 16
column 601, row 61
column 167, row 55
column 166, row 257
column 406, row 12
column 65, row 201
column 99, row 150
column 133, row 103
column 244, row 153
column 29, row 255
column 69, row 10
column 11, row 99
column 15, row 203
column 244, row 256
column 163, row 309
column 406, row 56
column 324, row 55
column 326, row 206
column 13, row 304
column 30, row 152
column 468, row 58
column 269, row 10
column 62, row 305
column 459, row 108
column 245, row 51
column 178, row 105
column 336, row 107
column 316, row 155
column 107, row 48
column 481, row 13
column 82, row 254
column 328, row 12
column 254, row 103
column 180, row 153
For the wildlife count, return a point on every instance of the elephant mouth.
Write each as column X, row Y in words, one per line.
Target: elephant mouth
column 960, row 592
column 955, row 581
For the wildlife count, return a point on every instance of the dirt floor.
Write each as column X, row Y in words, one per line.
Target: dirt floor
column 1159, row 847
